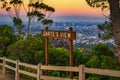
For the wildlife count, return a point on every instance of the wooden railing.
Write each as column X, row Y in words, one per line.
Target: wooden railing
column 38, row 75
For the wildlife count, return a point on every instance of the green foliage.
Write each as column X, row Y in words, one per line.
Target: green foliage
column 104, row 58
column 19, row 25
column 47, row 22
column 35, row 50
column 81, row 56
column 102, row 49
column 16, row 2
column 78, row 57
column 30, row 50
column 106, row 30
column 103, row 4
column 15, row 49
column 17, row 21
column 94, row 62
column 7, row 37
column 54, row 73
column 38, row 5
column 39, row 12
column 93, row 78
column 58, row 56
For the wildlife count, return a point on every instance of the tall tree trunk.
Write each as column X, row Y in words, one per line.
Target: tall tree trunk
column 29, row 19
column 115, row 17
column 28, row 30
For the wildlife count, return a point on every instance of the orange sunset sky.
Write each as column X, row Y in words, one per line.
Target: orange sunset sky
column 76, row 8
column 73, row 8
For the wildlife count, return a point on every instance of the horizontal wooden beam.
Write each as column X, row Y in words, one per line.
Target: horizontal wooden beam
column 28, row 65
column 9, row 60
column 28, row 73
column 106, row 72
column 1, row 64
column 9, row 67
column 102, row 72
column 1, row 58
column 60, row 68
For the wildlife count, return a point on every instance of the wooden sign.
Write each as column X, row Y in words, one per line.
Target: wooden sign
column 59, row 34
column 71, row 35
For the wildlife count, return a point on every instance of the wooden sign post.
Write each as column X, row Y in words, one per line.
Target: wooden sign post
column 71, row 53
column 46, row 51
column 70, row 35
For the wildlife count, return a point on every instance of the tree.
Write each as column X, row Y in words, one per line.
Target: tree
column 58, row 56
column 101, row 57
column 80, row 57
column 15, row 16
column 29, row 50
column 38, row 13
column 106, row 30
column 114, row 6
column 7, row 37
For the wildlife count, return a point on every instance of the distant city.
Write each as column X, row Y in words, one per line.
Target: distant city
column 86, row 32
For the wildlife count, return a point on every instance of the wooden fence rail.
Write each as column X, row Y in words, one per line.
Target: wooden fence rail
column 38, row 75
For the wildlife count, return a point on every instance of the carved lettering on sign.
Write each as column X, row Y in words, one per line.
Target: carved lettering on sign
column 59, row 34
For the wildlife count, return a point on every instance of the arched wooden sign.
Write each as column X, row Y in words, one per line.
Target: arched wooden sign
column 70, row 35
